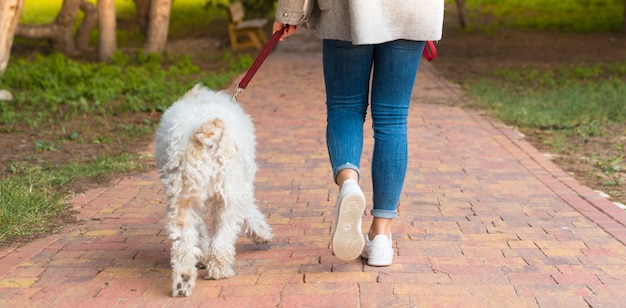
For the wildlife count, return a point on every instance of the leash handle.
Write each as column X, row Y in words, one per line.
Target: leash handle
column 243, row 84
column 430, row 52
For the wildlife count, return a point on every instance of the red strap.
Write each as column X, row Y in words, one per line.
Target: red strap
column 260, row 58
column 430, row 52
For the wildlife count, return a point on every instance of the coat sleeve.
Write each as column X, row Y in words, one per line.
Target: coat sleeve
column 293, row 12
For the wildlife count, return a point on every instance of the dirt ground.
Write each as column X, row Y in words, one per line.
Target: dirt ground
column 463, row 56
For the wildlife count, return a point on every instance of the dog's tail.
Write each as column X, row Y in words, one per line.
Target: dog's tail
column 195, row 91
column 200, row 89
column 208, row 135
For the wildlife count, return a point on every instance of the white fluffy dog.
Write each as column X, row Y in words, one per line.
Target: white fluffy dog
column 205, row 154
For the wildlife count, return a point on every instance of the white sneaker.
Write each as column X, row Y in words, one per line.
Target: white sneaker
column 379, row 251
column 347, row 238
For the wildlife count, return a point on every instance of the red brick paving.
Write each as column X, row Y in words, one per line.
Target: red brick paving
column 485, row 220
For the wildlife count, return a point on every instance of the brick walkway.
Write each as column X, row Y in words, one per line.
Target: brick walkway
column 485, row 220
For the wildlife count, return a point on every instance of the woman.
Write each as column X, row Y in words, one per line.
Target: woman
column 371, row 50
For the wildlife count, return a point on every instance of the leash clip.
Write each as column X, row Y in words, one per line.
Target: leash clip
column 238, row 90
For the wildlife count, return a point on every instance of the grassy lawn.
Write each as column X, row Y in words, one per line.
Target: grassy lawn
column 186, row 16
column 571, row 15
column 577, row 96
column 44, row 11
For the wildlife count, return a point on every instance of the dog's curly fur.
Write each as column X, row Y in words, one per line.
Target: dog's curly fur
column 205, row 154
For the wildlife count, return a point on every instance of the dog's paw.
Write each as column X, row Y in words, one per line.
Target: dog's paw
column 261, row 238
column 256, row 228
column 260, row 235
column 182, row 286
column 213, row 273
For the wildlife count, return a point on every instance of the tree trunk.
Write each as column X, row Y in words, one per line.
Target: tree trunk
column 10, row 11
column 60, row 32
column 143, row 14
column 462, row 11
column 624, row 21
column 89, row 23
column 158, row 26
column 107, row 25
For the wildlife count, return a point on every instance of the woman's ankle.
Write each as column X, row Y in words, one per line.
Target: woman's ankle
column 380, row 226
column 346, row 174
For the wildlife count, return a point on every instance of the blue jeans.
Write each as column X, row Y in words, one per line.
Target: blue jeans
column 347, row 71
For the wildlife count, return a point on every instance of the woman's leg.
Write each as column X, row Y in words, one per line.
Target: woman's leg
column 347, row 76
column 395, row 66
column 347, row 72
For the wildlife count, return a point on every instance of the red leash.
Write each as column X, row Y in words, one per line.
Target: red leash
column 243, row 84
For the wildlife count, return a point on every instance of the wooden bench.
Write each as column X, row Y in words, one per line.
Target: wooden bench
column 237, row 27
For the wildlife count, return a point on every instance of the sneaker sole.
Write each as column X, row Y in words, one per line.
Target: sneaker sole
column 380, row 261
column 348, row 239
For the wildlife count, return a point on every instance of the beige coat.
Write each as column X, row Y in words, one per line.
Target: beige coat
column 367, row 21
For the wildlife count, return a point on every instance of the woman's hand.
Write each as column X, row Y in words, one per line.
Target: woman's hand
column 291, row 30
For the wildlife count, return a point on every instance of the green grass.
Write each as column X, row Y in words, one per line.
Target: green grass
column 44, row 11
column 565, row 98
column 57, row 88
column 186, row 16
column 33, row 200
column 571, row 15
